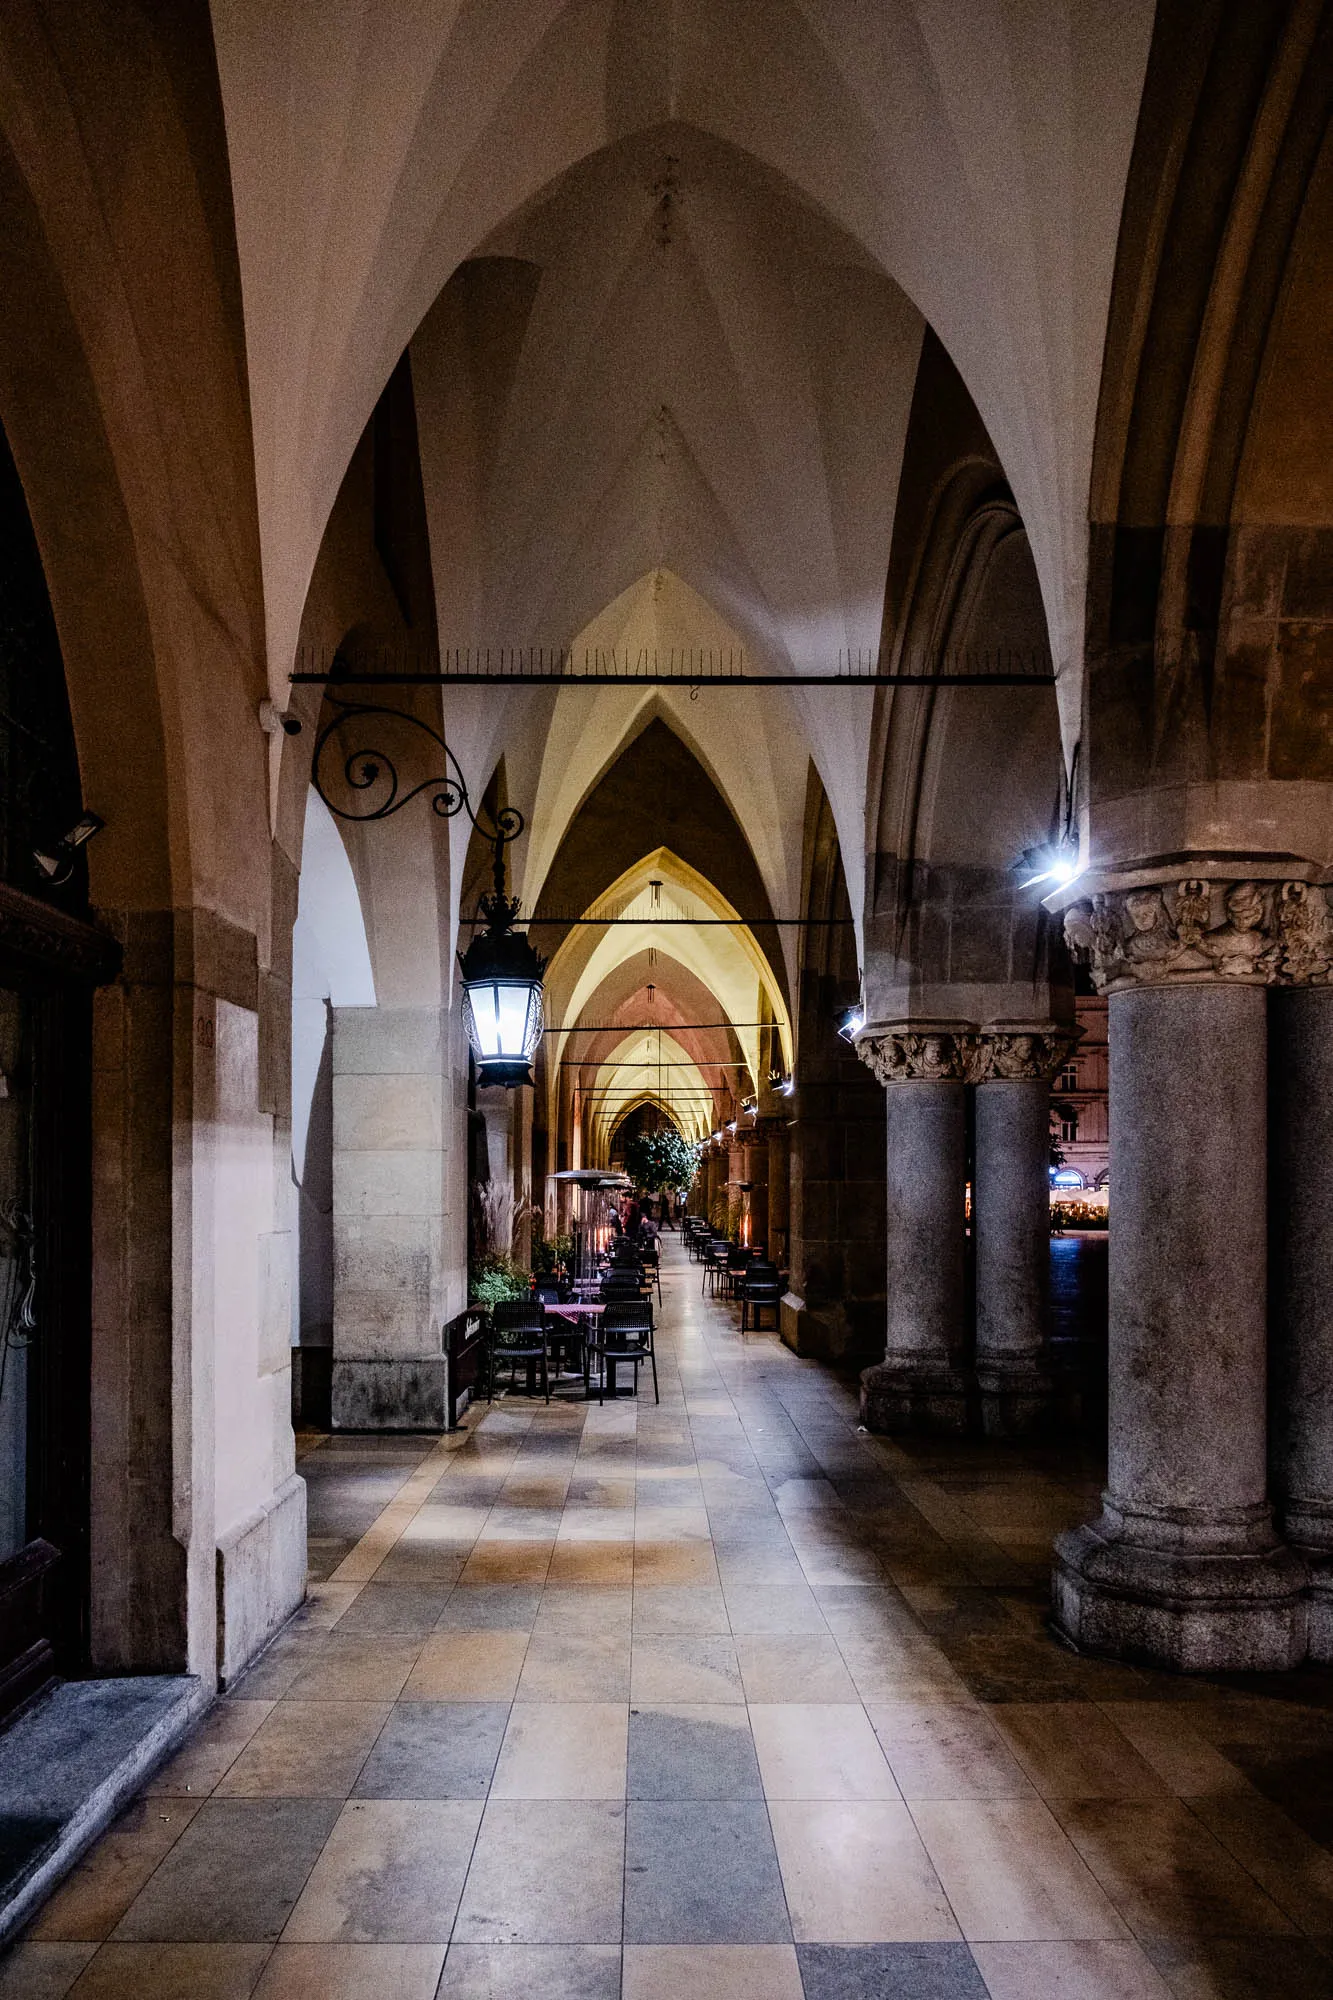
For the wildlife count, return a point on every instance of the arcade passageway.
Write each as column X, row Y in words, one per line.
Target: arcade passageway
column 721, row 1696
column 610, row 613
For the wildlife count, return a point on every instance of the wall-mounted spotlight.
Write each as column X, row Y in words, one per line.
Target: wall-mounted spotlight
column 272, row 719
column 787, row 1086
column 56, row 862
column 851, row 1023
column 1055, row 861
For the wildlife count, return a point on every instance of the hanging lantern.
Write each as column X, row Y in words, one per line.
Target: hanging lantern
column 502, row 996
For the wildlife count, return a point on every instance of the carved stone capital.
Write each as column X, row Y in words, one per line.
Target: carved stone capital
column 1024, row 1055
column 925, row 1055
column 1197, row 932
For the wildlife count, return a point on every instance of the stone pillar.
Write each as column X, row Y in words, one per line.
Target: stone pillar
column 735, row 1173
column 1011, row 1227
column 716, row 1184
column 920, row 1383
column 1301, row 1287
column 1183, row 1567
column 756, row 1173
column 779, row 1172
column 389, row 1229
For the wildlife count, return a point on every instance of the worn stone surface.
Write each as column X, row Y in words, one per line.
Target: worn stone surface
column 1301, row 1282
column 261, row 1576
column 920, row 1382
column 1183, row 1567
column 1011, row 1225
column 390, row 1395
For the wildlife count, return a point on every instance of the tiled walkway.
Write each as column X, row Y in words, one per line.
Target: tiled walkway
column 719, row 1700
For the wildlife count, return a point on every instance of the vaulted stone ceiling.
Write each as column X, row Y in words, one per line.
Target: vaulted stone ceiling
column 976, row 155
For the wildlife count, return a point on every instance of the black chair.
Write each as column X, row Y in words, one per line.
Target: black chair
column 565, row 1338
column 738, row 1262
column 518, row 1333
column 624, row 1333
column 760, row 1288
column 715, row 1254
column 652, row 1268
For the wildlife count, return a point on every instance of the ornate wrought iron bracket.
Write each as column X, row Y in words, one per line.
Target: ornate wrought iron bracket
column 373, row 788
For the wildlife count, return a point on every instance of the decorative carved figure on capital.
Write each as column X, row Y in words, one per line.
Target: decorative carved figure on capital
column 1266, row 934
column 902, row 1055
column 1024, row 1055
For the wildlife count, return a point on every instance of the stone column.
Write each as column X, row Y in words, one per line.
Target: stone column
column 920, row 1383
column 1301, row 1287
column 390, row 1174
column 1011, row 1227
column 717, row 1181
column 1183, row 1567
column 734, row 1169
column 756, row 1173
column 779, row 1183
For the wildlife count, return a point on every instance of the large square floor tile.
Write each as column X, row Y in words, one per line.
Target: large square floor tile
column 563, row 1750
column 391, row 1873
column 545, row 1872
column 684, row 1667
column 350, row 1972
column 890, row 1972
column 169, row 1972
column 692, row 1751
column 702, row 1873
column 306, row 1749
column 855, row 1872
column 1011, row 1873
column 435, row 1750
column 711, row 1972
column 235, row 1873
column 468, row 1666
column 531, row 1972
column 819, row 1751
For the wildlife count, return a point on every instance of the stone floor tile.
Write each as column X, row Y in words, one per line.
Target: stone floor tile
column 702, row 1873
column 563, row 1750
column 351, row 1972
column 306, row 1749
column 508, row 1562
column 91, row 1901
column 855, row 1872
column 819, row 1751
column 171, row 1972
column 531, row 1972
column 584, row 1609
column 1165, row 1872
column 777, row 1608
column 575, row 1666
column 1010, row 1872
column 862, row 1611
column 212, row 1750
column 583, row 1565
column 234, row 1874
column 468, row 1666
column 1243, row 1968
column 1082, row 1971
column 416, row 1562
column 409, row 1609
column 711, row 1972
column 687, row 1667
column 1072, row 1750
column 694, row 1608
column 545, row 1872
column 889, row 1972
column 391, row 1873
column 1185, row 1761
column 674, row 1563
column 434, row 1750
column 42, row 1971
column 490, row 1607
column 946, row 1750
column 360, row 1667
column 692, row 1751
column 1296, row 1871
column 793, row 1667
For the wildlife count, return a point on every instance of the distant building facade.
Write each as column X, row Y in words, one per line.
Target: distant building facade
column 1080, row 1127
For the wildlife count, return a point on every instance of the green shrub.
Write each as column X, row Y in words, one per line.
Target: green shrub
column 498, row 1278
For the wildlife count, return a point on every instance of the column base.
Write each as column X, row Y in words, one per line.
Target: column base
column 1017, row 1399
column 910, row 1395
column 1195, row 1596
column 391, row 1395
column 1308, row 1527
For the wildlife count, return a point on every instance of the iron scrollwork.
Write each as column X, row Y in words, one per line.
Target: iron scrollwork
column 374, row 789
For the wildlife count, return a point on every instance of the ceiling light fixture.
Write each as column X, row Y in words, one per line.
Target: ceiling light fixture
column 56, row 862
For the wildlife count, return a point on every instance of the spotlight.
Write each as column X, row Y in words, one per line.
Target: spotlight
column 787, row 1086
column 56, row 862
column 851, row 1024
column 1056, row 861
